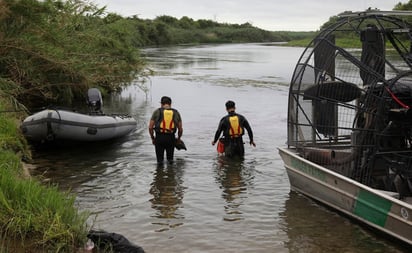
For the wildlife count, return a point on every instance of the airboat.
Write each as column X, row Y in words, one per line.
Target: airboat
column 56, row 124
column 349, row 143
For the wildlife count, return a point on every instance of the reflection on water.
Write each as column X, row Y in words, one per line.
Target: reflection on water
column 234, row 178
column 168, row 190
column 64, row 161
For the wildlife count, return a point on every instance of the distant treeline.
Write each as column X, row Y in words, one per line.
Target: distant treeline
column 167, row 30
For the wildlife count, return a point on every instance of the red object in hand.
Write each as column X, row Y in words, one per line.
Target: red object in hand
column 220, row 147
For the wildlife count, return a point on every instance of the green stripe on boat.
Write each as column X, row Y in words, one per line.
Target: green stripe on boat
column 372, row 208
column 308, row 169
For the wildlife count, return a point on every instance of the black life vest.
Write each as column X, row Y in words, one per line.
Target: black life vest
column 166, row 123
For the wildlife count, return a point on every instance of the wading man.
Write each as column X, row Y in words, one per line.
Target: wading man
column 233, row 126
column 163, row 125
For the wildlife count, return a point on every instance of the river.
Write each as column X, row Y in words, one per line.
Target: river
column 203, row 202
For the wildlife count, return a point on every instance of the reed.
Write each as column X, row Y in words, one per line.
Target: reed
column 36, row 215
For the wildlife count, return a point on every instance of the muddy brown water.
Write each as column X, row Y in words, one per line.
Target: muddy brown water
column 203, row 202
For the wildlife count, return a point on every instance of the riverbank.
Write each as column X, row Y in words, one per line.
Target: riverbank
column 38, row 216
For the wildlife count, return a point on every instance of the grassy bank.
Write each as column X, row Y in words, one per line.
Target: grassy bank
column 37, row 216
column 345, row 42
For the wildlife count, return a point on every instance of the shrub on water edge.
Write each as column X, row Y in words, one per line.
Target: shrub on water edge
column 32, row 213
column 10, row 135
column 43, row 214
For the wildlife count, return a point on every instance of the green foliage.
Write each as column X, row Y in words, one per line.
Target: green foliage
column 10, row 136
column 39, row 215
column 30, row 212
column 53, row 51
column 403, row 7
column 167, row 30
column 342, row 39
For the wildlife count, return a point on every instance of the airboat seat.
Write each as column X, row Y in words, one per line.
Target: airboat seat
column 338, row 91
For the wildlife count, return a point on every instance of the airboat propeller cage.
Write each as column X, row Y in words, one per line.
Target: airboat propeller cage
column 350, row 95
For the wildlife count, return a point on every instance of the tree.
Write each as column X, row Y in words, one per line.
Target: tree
column 52, row 51
column 404, row 7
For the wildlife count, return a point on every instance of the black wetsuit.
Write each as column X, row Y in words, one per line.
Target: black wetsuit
column 233, row 144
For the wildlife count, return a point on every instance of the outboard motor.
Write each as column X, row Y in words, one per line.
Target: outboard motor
column 94, row 100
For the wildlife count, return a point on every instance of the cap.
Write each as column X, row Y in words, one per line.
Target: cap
column 166, row 100
column 180, row 145
column 230, row 104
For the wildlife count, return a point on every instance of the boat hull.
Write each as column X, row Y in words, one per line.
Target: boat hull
column 51, row 125
column 380, row 210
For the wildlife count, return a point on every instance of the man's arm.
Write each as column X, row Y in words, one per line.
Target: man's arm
column 218, row 132
column 179, row 125
column 152, row 123
column 249, row 132
column 179, row 130
column 151, row 130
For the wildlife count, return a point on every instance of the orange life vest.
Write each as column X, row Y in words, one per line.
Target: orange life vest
column 165, row 123
column 235, row 129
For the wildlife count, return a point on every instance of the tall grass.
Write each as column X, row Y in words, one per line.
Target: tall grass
column 43, row 214
column 36, row 215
